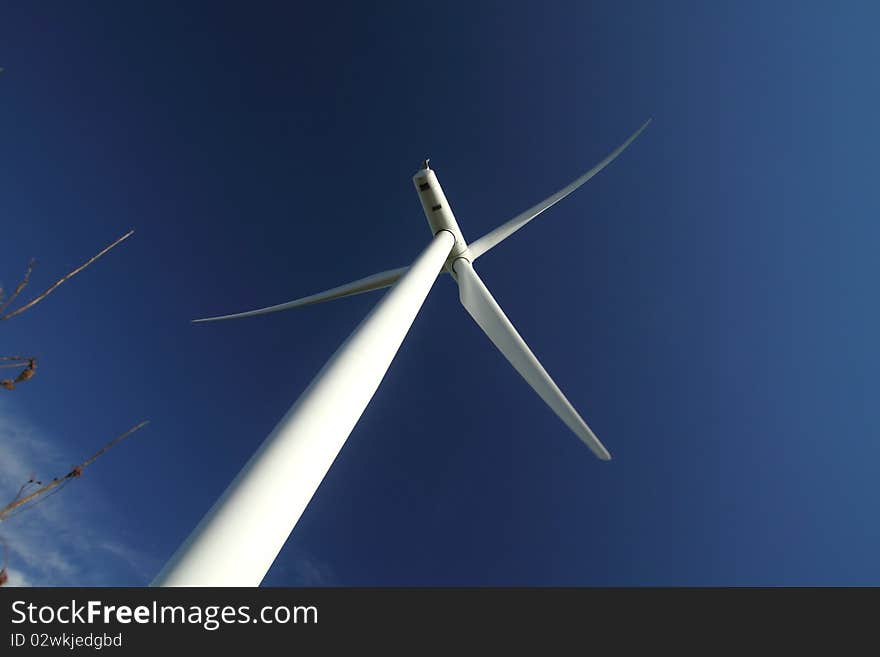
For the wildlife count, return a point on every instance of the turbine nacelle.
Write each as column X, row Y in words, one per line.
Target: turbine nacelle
column 438, row 212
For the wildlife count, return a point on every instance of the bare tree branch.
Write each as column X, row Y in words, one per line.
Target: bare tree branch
column 37, row 299
column 33, row 491
column 29, row 366
column 76, row 471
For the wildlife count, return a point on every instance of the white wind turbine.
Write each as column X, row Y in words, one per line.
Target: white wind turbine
column 240, row 536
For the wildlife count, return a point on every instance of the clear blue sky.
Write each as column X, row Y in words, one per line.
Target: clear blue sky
column 708, row 301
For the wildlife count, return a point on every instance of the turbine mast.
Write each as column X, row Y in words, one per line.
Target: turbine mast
column 239, row 538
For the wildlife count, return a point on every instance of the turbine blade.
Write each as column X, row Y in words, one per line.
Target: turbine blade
column 374, row 282
column 478, row 301
column 505, row 230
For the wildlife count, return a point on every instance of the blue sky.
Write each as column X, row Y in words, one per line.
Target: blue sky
column 707, row 302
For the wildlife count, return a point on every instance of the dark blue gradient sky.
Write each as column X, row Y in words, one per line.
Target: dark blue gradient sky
column 708, row 302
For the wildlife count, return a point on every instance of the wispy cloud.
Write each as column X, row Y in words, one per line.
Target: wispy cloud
column 56, row 542
column 17, row 578
column 310, row 571
column 296, row 566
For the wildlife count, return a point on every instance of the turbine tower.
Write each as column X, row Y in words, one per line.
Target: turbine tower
column 240, row 536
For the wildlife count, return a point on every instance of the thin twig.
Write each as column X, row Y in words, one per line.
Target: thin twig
column 17, row 363
column 42, row 500
column 76, row 471
column 61, row 280
column 20, row 286
column 24, row 487
column 82, row 466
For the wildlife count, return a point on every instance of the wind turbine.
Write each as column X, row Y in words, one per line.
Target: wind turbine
column 240, row 536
